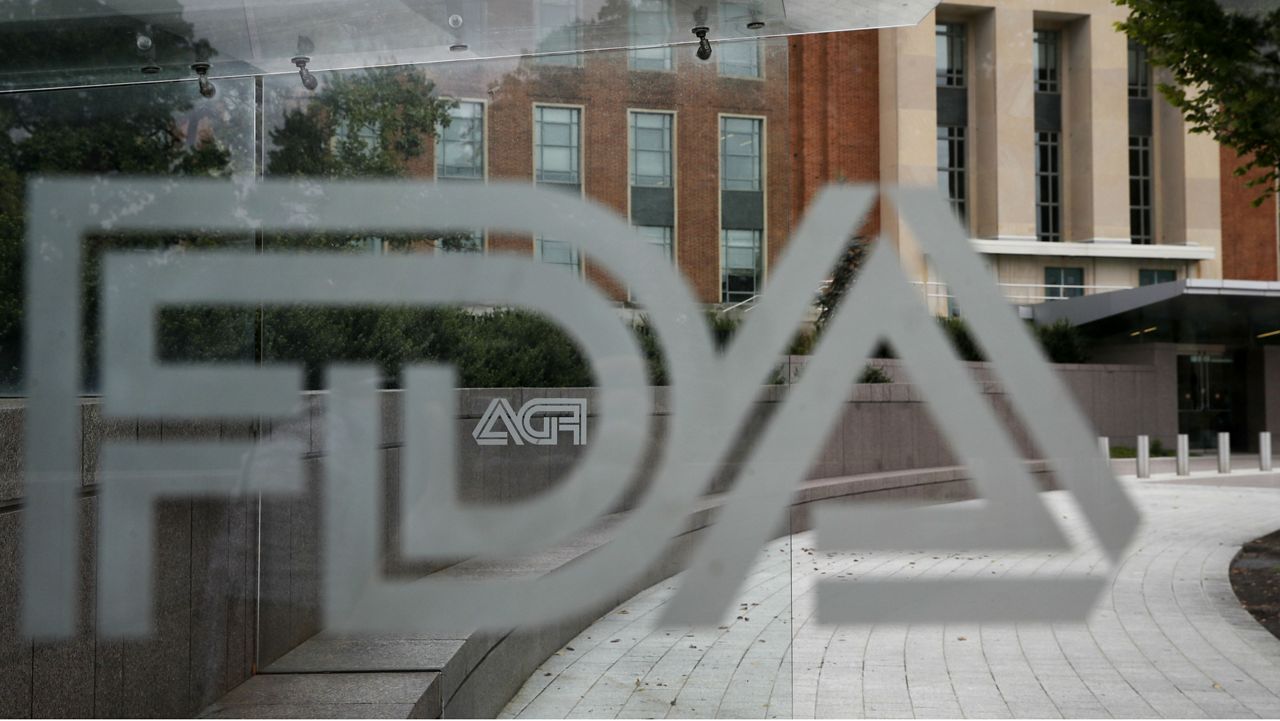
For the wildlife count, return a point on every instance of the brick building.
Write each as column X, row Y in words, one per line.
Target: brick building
column 1037, row 120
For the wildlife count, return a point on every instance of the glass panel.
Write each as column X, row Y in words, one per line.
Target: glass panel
column 741, row 264
column 164, row 131
column 1139, row 71
column 460, row 144
column 740, row 153
column 660, row 236
column 138, row 43
column 739, row 58
column 1048, row 187
column 952, row 173
column 951, row 50
column 1140, row 189
column 556, row 143
column 651, row 24
column 652, row 149
column 491, row 364
column 1047, row 59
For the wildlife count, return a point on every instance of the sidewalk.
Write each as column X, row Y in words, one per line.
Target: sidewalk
column 1167, row 639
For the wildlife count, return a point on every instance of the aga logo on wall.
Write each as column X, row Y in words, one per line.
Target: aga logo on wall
column 539, row 422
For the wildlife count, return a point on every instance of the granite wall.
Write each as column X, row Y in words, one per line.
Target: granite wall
column 237, row 580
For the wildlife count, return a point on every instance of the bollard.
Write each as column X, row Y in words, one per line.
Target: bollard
column 1264, row 451
column 1184, row 455
column 1104, row 447
column 1224, row 453
column 1144, row 456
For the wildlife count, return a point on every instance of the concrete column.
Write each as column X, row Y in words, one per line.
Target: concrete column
column 1096, row 151
column 1224, row 453
column 1184, row 455
column 1003, row 120
column 1144, row 456
column 1264, row 451
column 908, row 125
column 1188, row 196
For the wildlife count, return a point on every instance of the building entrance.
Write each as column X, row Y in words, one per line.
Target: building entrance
column 1210, row 399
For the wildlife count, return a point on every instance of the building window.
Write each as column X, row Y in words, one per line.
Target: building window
column 951, row 55
column 557, row 144
column 460, row 146
column 658, row 235
column 1140, row 184
column 952, row 174
column 1139, row 71
column 1048, row 62
column 651, row 149
column 651, row 25
column 740, row 153
column 738, row 58
column 1063, row 283
column 560, row 32
column 1155, row 276
column 558, row 252
column 1141, row 197
column 740, row 261
column 1048, row 187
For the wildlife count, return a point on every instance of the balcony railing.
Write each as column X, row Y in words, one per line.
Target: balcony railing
column 1023, row 293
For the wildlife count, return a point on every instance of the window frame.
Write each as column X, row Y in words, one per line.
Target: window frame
column 633, row 150
column 581, row 180
column 1141, row 190
column 667, row 243
column 577, row 148
column 758, row 251
column 759, row 155
column 956, row 38
column 667, row 62
column 483, row 141
column 561, row 58
column 756, row 66
column 1048, row 78
column 1139, row 72
column 1049, row 210
column 957, row 176
column 1154, row 274
column 1062, row 289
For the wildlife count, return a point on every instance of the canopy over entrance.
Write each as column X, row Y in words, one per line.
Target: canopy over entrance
column 1229, row 312
column 41, row 41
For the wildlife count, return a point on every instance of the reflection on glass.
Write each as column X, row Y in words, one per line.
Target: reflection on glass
column 738, row 59
column 460, row 144
column 651, row 25
column 139, row 130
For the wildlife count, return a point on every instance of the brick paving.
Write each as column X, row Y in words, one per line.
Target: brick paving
column 1166, row 639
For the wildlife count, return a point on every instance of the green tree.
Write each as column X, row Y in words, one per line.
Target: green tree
column 1225, row 68
column 364, row 124
column 846, row 270
column 135, row 130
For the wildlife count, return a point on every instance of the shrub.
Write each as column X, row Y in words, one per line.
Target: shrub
column 958, row 331
column 723, row 326
column 652, row 352
column 802, row 344
column 1063, row 342
column 874, row 374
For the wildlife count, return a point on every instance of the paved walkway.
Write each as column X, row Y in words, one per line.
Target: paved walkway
column 1167, row 639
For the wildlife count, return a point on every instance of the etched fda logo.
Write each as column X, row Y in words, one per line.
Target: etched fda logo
column 539, row 422
column 709, row 398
